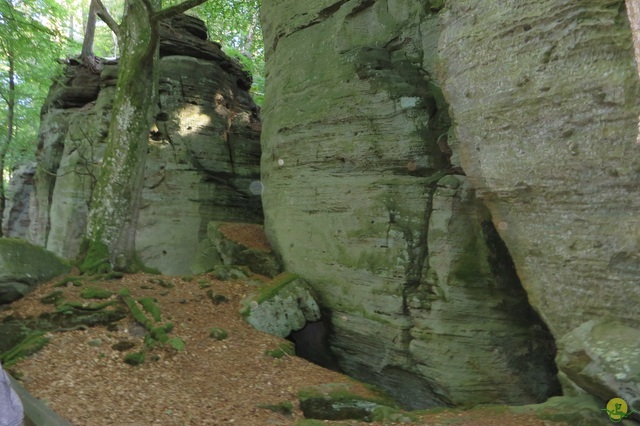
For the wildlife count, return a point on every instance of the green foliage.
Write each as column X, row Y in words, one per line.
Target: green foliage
column 236, row 26
column 30, row 35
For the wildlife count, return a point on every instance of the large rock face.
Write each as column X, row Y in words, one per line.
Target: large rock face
column 204, row 152
column 546, row 111
column 365, row 198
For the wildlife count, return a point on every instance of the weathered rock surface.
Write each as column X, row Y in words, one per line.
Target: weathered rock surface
column 23, row 266
column 224, row 246
column 204, row 152
column 545, row 95
column 281, row 306
column 603, row 357
column 365, row 198
column 339, row 401
column 15, row 220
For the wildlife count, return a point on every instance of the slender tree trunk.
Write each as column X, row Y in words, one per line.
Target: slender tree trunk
column 633, row 11
column 11, row 101
column 115, row 200
column 90, row 31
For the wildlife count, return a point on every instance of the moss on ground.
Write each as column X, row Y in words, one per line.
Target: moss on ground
column 218, row 333
column 157, row 334
column 95, row 293
column 96, row 258
column 28, row 346
column 284, row 348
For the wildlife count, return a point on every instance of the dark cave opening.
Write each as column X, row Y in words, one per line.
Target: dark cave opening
column 540, row 355
column 312, row 343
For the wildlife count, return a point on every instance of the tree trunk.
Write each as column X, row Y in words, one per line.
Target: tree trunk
column 11, row 101
column 115, row 200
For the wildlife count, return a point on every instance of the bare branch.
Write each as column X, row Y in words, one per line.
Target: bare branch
column 103, row 14
column 172, row 11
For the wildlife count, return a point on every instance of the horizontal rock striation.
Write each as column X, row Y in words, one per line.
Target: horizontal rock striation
column 545, row 95
column 365, row 198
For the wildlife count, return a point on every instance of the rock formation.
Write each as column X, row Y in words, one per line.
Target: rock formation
column 23, row 266
column 204, row 152
column 365, row 197
column 546, row 112
column 15, row 221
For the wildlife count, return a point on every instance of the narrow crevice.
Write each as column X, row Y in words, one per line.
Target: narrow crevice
column 535, row 363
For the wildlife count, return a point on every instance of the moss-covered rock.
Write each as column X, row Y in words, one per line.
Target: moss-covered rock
column 250, row 252
column 281, row 306
column 23, row 266
column 340, row 401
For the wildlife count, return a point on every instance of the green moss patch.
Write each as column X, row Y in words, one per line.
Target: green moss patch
column 135, row 358
column 151, row 307
column 284, row 348
column 29, row 345
column 70, row 281
column 157, row 334
column 341, row 401
column 95, row 259
column 215, row 298
column 52, row 298
column 95, row 293
column 218, row 333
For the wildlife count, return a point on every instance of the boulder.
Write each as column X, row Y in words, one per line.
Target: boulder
column 23, row 266
column 603, row 357
column 204, row 152
column 341, row 401
column 281, row 306
column 243, row 244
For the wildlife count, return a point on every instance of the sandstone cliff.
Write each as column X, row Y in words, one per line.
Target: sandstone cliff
column 546, row 111
column 366, row 198
column 204, row 153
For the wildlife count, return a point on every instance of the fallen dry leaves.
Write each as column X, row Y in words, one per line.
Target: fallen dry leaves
column 85, row 380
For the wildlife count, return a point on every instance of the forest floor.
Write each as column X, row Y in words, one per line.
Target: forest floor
column 83, row 378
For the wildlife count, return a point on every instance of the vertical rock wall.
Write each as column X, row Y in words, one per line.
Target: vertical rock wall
column 545, row 95
column 365, row 198
column 204, row 153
